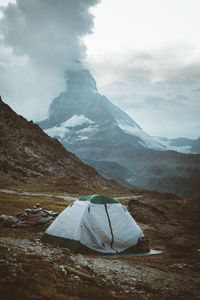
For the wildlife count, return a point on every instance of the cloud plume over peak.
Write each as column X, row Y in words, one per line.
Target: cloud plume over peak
column 40, row 40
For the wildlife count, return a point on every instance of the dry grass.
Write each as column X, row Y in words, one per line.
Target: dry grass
column 11, row 204
column 61, row 185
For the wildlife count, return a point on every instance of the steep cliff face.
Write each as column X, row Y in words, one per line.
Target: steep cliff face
column 27, row 152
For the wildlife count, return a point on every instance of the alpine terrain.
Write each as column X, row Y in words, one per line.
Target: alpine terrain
column 30, row 156
column 105, row 137
column 39, row 178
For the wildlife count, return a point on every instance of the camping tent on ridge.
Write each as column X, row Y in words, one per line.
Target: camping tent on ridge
column 97, row 222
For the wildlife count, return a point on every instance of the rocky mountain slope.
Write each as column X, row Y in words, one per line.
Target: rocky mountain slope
column 27, row 153
column 105, row 137
column 164, row 171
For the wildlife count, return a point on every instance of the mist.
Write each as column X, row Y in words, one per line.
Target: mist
column 39, row 42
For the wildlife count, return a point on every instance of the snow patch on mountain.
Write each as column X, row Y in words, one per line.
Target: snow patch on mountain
column 146, row 140
column 128, row 128
column 82, row 138
column 64, row 128
column 57, row 131
column 89, row 129
column 77, row 120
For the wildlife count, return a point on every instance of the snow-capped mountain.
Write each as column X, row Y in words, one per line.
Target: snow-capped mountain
column 105, row 137
column 82, row 114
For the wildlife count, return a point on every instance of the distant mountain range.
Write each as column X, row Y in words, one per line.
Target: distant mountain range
column 183, row 145
column 105, row 137
column 27, row 154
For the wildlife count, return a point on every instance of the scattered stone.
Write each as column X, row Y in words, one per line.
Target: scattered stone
column 51, row 213
column 30, row 217
column 12, row 220
column 3, row 218
column 79, row 273
column 62, row 269
column 180, row 266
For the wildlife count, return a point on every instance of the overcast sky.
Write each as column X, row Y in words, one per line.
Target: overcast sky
column 145, row 56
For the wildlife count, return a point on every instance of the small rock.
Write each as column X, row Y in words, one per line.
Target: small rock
column 62, row 269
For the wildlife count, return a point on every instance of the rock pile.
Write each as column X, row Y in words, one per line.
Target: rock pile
column 30, row 217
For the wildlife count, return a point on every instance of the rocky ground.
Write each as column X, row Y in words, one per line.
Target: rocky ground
column 30, row 269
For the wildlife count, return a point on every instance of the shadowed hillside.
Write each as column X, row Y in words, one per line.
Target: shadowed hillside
column 29, row 156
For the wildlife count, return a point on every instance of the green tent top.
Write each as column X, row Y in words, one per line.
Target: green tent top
column 98, row 199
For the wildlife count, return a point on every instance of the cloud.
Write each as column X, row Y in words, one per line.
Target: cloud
column 159, row 89
column 39, row 41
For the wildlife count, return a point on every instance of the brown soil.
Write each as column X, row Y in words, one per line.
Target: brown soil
column 30, row 269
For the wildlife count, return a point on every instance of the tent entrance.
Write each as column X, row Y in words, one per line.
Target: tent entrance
column 96, row 229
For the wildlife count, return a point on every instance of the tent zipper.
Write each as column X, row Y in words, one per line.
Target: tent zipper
column 110, row 225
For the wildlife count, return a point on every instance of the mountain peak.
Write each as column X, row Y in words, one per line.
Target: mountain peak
column 81, row 80
column 108, row 123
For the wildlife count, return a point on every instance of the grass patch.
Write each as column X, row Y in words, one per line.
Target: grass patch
column 12, row 204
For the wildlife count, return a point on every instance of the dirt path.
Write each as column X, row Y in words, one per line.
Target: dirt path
column 60, row 197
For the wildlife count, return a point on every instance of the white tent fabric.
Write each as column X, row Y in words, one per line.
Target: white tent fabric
column 106, row 228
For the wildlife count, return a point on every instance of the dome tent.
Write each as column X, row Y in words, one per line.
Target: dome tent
column 97, row 222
